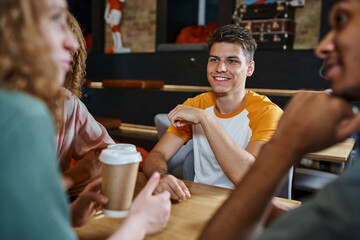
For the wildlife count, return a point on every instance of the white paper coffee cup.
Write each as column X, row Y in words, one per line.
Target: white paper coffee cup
column 120, row 169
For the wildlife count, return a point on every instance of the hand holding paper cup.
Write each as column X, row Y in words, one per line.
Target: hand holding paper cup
column 120, row 169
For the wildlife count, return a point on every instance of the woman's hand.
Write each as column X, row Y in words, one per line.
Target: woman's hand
column 88, row 203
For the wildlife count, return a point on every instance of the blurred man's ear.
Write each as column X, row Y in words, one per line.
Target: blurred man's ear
column 251, row 68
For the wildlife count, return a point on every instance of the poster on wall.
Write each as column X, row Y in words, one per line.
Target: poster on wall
column 306, row 20
column 134, row 29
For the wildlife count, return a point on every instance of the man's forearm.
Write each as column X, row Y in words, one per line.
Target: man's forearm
column 245, row 208
column 155, row 161
column 164, row 150
column 234, row 160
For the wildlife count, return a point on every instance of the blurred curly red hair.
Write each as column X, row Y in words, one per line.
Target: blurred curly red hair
column 26, row 64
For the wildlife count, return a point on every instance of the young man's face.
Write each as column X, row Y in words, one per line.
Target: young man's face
column 341, row 49
column 228, row 68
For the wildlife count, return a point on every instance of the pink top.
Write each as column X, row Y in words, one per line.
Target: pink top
column 79, row 133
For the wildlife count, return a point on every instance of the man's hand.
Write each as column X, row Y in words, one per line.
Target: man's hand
column 182, row 115
column 88, row 203
column 314, row 121
column 174, row 186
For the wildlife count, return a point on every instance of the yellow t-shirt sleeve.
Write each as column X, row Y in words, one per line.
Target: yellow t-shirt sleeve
column 184, row 132
column 266, row 125
column 201, row 101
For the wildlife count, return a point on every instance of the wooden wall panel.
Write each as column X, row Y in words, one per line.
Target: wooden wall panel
column 138, row 26
column 308, row 23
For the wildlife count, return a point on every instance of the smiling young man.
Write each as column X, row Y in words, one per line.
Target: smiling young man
column 311, row 122
column 228, row 125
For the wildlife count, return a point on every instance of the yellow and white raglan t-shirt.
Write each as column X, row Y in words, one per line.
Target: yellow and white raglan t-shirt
column 255, row 120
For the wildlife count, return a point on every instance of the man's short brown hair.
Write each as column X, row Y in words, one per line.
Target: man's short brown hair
column 232, row 33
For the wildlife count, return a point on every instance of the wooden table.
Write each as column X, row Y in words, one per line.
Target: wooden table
column 337, row 153
column 187, row 218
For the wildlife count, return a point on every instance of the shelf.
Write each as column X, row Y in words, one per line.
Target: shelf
column 187, row 88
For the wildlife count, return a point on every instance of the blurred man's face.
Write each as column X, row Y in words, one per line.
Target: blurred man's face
column 340, row 49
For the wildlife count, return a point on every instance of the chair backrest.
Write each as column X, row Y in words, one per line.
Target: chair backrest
column 286, row 186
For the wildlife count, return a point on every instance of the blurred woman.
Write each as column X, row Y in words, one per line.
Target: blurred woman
column 79, row 136
column 35, row 55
